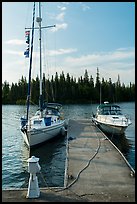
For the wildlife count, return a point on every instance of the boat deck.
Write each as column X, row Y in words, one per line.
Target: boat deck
column 95, row 171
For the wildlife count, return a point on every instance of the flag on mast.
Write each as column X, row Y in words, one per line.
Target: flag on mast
column 27, row 36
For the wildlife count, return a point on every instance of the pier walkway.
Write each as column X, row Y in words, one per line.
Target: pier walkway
column 95, row 171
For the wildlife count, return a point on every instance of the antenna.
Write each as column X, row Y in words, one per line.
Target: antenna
column 100, row 93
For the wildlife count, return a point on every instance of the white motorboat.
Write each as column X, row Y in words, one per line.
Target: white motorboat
column 110, row 119
column 47, row 122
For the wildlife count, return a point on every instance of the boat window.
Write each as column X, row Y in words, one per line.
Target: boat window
column 55, row 112
column 118, row 112
column 115, row 117
column 107, row 108
column 49, row 112
column 100, row 111
column 37, row 122
column 106, row 112
column 113, row 112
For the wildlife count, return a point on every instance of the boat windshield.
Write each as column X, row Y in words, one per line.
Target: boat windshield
column 48, row 111
column 109, row 110
column 51, row 111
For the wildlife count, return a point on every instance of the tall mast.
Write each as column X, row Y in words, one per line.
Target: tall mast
column 39, row 19
column 30, row 67
column 100, row 93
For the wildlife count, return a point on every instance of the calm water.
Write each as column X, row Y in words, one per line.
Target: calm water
column 52, row 154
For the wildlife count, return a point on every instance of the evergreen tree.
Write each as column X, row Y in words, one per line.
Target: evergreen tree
column 56, row 87
column 86, row 78
column 67, row 90
column 5, row 92
column 97, row 87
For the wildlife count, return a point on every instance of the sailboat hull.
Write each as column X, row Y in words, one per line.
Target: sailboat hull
column 34, row 137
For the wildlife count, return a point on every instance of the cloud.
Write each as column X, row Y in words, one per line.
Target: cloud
column 66, row 3
column 59, row 27
column 84, row 6
column 102, row 58
column 60, row 17
column 61, row 51
column 12, row 52
column 110, row 64
column 62, row 8
column 120, row 61
column 15, row 42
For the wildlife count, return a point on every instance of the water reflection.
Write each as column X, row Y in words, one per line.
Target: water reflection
column 15, row 152
column 24, row 173
column 52, row 155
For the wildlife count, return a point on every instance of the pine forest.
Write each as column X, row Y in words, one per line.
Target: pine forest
column 66, row 89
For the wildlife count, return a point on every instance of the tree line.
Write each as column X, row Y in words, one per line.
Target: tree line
column 66, row 89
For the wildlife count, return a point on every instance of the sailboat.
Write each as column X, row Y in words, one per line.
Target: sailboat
column 47, row 122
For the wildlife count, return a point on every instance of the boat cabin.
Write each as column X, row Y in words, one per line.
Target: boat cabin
column 108, row 109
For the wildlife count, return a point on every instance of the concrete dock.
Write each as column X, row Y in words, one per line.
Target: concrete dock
column 96, row 171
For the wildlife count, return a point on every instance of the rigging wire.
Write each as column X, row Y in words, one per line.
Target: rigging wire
column 28, row 13
column 49, row 64
column 30, row 61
